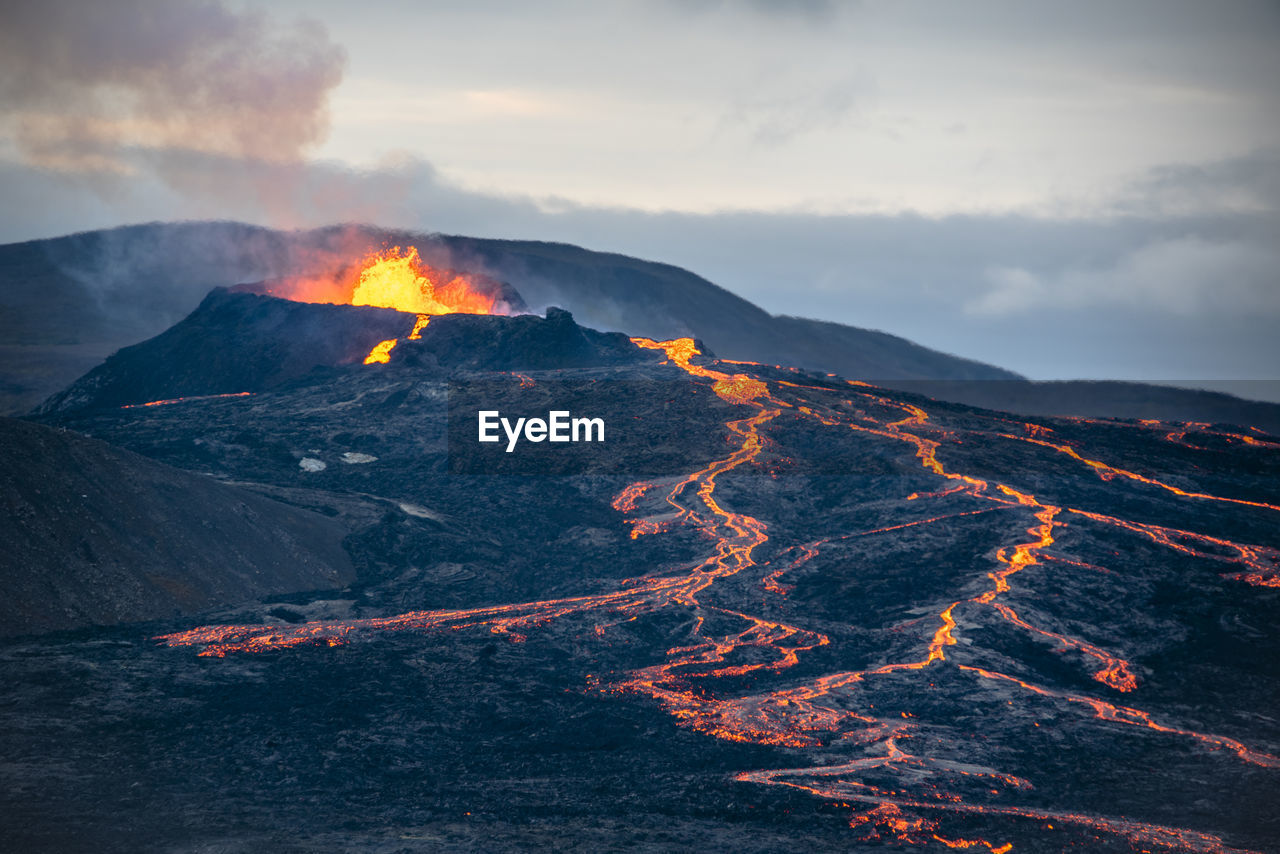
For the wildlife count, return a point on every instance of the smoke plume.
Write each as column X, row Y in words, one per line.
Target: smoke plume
column 110, row 88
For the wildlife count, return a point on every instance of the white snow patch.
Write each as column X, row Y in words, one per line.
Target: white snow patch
column 311, row 464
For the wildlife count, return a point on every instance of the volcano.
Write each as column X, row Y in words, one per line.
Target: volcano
column 69, row 302
column 775, row 607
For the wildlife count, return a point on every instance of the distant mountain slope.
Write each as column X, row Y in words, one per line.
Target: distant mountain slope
column 68, row 302
column 1103, row 399
column 96, row 535
column 823, row 345
column 610, row 291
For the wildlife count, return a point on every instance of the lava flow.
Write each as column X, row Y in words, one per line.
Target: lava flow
column 174, row 400
column 901, row 764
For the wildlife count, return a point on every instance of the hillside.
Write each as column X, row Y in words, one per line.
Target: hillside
column 97, row 536
column 772, row 605
column 67, row 303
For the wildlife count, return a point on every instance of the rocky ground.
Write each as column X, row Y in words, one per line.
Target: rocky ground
column 879, row 620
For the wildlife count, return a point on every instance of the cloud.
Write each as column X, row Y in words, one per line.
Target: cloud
column 1250, row 182
column 1187, row 276
column 777, row 115
column 91, row 88
column 811, row 11
column 1203, row 241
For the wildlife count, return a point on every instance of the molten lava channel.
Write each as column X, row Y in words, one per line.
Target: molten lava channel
column 902, row 793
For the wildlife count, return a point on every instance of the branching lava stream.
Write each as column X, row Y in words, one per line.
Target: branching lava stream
column 902, row 790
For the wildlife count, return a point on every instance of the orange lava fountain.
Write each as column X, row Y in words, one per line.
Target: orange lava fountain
column 394, row 278
column 823, row 711
column 401, row 281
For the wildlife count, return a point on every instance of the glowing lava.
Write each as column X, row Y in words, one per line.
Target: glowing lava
column 896, row 787
column 186, row 399
column 393, row 278
column 381, row 352
column 398, row 279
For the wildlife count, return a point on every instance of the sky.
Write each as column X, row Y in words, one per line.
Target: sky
column 1087, row 190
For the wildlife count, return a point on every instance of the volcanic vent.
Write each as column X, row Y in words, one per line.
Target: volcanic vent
column 263, row 336
column 398, row 278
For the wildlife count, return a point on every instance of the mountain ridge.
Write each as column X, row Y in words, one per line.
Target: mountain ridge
column 114, row 287
column 68, row 302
